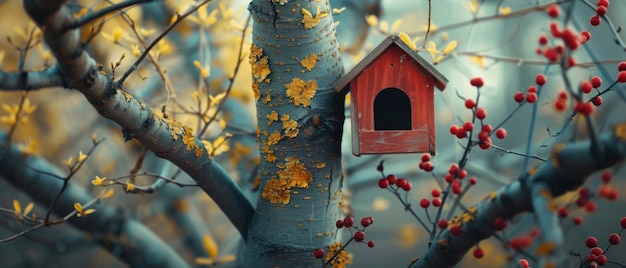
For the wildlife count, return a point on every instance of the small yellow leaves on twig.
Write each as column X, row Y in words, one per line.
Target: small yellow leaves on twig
column 98, row 181
column 129, row 186
column 82, row 212
column 29, row 147
column 205, row 71
column 135, row 49
column 81, row 157
column 204, row 19
column 472, row 6
column 338, row 11
column 106, row 194
column 116, row 35
column 218, row 146
column 407, row 40
column 432, row 49
column 504, row 11
column 372, row 20
column 384, row 26
column 17, row 209
column 301, row 92
column 69, row 162
column 94, row 138
column 217, row 99
column 309, row 20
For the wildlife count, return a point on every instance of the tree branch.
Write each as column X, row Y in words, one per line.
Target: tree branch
column 140, row 247
column 50, row 77
column 167, row 138
column 568, row 168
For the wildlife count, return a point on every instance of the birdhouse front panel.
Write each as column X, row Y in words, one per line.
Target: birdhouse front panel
column 393, row 106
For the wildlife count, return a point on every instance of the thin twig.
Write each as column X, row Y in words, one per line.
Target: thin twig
column 102, row 12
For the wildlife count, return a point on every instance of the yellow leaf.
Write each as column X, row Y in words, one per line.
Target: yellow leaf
column 395, row 25
column 94, row 138
column 372, row 20
column 78, row 207
column 227, row 258
column 17, row 207
column 129, row 186
column 210, row 246
column 451, row 46
column 472, row 6
column 438, row 59
column 504, row 11
column 337, row 11
column 28, row 208
column 432, row 48
column 384, row 26
column 407, row 40
column 135, row 49
column 98, row 181
column 88, row 211
column 81, row 157
column 204, row 261
column 80, row 13
column 479, row 60
column 107, row 194
column 205, row 71
column 222, row 123
column 69, row 161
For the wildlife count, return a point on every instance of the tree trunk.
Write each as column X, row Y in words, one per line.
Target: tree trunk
column 295, row 63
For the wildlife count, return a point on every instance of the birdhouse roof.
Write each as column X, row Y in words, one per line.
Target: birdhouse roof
column 440, row 80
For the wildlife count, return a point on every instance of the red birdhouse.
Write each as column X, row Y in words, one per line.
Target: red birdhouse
column 392, row 91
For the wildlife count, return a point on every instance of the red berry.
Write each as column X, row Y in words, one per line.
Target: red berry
column 596, row 250
column 456, row 189
column 612, row 195
column 597, row 101
column 424, row 203
column 435, row 193
column 481, row 113
column 371, row 219
column 469, row 103
column 348, row 221
column 581, row 201
column 621, row 66
column 436, row 202
column 532, row 89
column 592, row 258
column 622, row 222
column 468, row 126
column 571, row 39
column 461, row 174
column 477, row 82
column 454, row 129
column 519, row 96
column 392, row 179
column 455, row 230
column 586, row 35
column 407, row 187
column 563, row 95
column 519, row 243
column 553, row 10
column 370, row 244
column 501, row 133
column 585, row 108
column 442, row 224
column 359, row 236
column 601, row 260
column 473, row 181
column 604, row 3
column 483, row 136
column 365, row 222
column 590, row 206
column 595, row 20
column 596, row 81
column 425, row 157
column 551, row 54
column 499, row 223
column 428, row 166
column 487, row 128
column 601, row 10
column 383, row 183
column 591, row 242
column 339, row 223
column 621, row 77
column 543, row 39
column 562, row 211
column 584, row 192
column 586, row 87
column 554, row 29
column 571, row 62
column 479, row 253
column 531, row 97
column 486, row 144
column 318, row 253
column 524, row 263
column 578, row 220
column 380, row 167
column 614, row 239
column 540, row 79
column 559, row 105
column 401, row 182
column 606, row 176
column 461, row 133
column 448, row 178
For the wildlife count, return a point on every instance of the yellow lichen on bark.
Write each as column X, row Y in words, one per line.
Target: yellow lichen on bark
column 309, row 62
column 295, row 173
column 255, row 90
column 291, row 128
column 301, row 92
column 342, row 259
column 260, row 64
column 276, row 191
column 270, row 157
column 273, row 138
column 311, row 21
column 273, row 116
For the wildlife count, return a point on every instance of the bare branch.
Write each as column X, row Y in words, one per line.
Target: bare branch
column 50, row 77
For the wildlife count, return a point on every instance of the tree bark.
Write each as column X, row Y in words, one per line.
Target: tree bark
column 295, row 62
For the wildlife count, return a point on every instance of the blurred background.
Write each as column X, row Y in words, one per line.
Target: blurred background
column 498, row 47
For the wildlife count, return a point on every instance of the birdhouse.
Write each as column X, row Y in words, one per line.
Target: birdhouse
column 392, row 91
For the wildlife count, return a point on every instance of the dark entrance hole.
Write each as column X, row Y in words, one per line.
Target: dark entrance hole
column 392, row 110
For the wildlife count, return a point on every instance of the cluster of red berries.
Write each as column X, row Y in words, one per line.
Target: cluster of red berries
column 596, row 254
column 605, row 190
column 531, row 95
column 524, row 241
column 571, row 39
column 621, row 75
column 425, row 163
column 601, row 7
column 391, row 180
column 359, row 235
